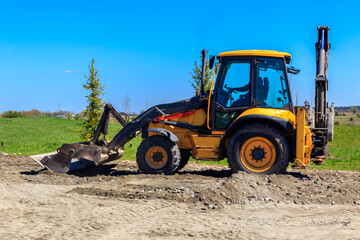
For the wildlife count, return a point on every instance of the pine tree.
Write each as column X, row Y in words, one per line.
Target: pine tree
column 93, row 111
column 196, row 76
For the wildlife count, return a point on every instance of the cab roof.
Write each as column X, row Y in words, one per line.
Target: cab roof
column 265, row 53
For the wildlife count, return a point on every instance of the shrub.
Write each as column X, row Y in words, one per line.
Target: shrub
column 11, row 114
column 79, row 116
column 337, row 123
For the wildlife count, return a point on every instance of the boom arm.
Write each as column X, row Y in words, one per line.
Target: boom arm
column 321, row 83
column 323, row 126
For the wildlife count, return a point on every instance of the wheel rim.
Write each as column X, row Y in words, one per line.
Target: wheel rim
column 258, row 154
column 156, row 157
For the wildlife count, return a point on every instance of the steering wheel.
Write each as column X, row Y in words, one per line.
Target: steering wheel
column 230, row 89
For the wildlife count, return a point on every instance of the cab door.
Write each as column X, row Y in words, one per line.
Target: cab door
column 233, row 92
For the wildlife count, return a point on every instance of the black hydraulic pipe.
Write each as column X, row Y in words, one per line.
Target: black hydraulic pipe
column 203, row 59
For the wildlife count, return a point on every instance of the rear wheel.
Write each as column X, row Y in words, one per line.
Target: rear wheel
column 258, row 148
column 158, row 154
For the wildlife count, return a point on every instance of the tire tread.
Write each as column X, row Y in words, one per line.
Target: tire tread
column 266, row 129
column 168, row 145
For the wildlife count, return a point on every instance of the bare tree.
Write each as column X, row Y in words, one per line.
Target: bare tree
column 126, row 104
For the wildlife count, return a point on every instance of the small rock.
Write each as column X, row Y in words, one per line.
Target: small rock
column 252, row 185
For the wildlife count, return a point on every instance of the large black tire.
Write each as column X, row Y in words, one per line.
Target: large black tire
column 158, row 154
column 258, row 148
column 185, row 156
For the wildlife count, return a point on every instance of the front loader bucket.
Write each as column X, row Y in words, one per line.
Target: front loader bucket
column 77, row 156
column 59, row 163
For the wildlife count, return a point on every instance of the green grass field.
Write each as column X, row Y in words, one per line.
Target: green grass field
column 35, row 135
column 345, row 150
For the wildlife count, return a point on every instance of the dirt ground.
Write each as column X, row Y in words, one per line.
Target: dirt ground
column 115, row 201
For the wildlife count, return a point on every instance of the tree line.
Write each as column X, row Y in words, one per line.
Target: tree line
column 37, row 113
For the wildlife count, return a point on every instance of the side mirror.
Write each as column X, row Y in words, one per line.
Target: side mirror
column 293, row 70
column 211, row 62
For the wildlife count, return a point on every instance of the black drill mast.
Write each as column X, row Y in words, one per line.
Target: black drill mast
column 321, row 82
column 322, row 125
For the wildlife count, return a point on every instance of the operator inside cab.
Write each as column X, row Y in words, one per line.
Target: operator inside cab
column 239, row 88
column 235, row 90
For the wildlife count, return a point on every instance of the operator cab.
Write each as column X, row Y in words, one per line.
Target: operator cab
column 249, row 79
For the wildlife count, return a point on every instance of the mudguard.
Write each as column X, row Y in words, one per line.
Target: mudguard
column 166, row 133
column 280, row 123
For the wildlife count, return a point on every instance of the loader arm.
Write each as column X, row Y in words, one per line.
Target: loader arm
column 129, row 130
column 77, row 156
column 104, row 122
column 132, row 129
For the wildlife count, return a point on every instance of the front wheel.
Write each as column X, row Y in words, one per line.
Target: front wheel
column 158, row 154
column 259, row 149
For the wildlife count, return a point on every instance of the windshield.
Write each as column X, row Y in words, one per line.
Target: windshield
column 271, row 88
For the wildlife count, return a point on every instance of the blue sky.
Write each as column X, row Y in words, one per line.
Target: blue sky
column 146, row 49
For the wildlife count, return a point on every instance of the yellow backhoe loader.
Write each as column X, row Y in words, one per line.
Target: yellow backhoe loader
column 248, row 117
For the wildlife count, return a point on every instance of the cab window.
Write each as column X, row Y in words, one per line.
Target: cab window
column 234, row 87
column 233, row 91
column 271, row 89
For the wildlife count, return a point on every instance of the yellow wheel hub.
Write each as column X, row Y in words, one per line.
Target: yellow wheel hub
column 258, row 154
column 156, row 157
